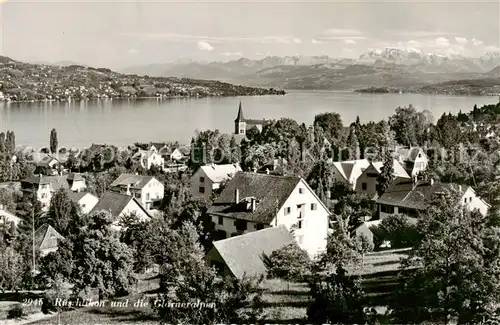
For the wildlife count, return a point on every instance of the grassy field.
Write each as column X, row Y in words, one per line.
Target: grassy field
column 283, row 302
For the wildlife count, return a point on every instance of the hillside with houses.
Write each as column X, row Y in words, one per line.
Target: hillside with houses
column 22, row 81
column 277, row 222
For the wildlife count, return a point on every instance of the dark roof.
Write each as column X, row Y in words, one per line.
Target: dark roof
column 135, row 181
column 240, row 117
column 96, row 147
column 255, row 122
column 270, row 191
column 76, row 196
column 114, row 203
column 75, row 177
column 37, row 180
column 157, row 145
column 403, row 193
column 58, row 182
column 46, row 237
column 46, row 160
column 243, row 254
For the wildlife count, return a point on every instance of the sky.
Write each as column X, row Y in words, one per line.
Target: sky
column 119, row 34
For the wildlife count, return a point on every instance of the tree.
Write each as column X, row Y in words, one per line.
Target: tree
column 53, row 141
column 186, row 278
column 452, row 273
column 11, row 269
column 61, row 211
column 290, row 263
column 341, row 249
column 386, row 176
column 99, row 259
column 353, row 150
column 336, row 300
column 410, row 127
column 365, row 245
column 331, row 125
column 59, row 289
column 398, row 230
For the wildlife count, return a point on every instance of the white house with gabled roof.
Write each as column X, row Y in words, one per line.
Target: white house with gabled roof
column 367, row 181
column 208, row 178
column 347, row 172
column 253, row 201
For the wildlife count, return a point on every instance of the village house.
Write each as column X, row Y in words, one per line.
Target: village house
column 274, row 167
column 367, row 181
column 414, row 160
column 365, row 229
column 180, row 154
column 148, row 190
column 45, row 186
column 46, row 239
column 252, row 201
column 120, row 205
column 7, row 217
column 405, row 196
column 47, row 165
column 209, row 178
column 149, row 158
column 242, row 255
column 86, row 201
column 347, row 172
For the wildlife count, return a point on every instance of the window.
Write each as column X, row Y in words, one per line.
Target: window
column 314, row 206
column 241, row 225
column 288, row 210
column 386, row 208
column 363, row 186
column 301, row 190
column 44, row 195
column 299, row 224
column 201, row 189
column 221, row 220
column 259, row 226
column 147, row 196
column 202, row 179
column 83, row 205
column 372, row 175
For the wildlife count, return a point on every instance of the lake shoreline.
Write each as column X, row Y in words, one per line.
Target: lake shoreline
column 123, row 122
column 129, row 98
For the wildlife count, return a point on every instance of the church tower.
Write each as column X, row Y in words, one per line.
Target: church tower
column 239, row 124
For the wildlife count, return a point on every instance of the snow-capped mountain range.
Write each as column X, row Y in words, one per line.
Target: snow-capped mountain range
column 416, row 57
column 389, row 67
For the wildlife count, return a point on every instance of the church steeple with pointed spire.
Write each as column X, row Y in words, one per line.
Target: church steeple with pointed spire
column 239, row 123
column 240, row 117
column 242, row 125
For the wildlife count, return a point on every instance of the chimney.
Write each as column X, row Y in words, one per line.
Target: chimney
column 128, row 189
column 267, row 171
column 432, row 181
column 255, row 169
column 460, row 188
column 237, row 196
column 253, row 204
column 328, row 194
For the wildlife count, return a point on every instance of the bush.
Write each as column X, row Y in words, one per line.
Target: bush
column 15, row 312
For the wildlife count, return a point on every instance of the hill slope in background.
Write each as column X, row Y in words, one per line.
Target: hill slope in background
column 28, row 81
column 390, row 67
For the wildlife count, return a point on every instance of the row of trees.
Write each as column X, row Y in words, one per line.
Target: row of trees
column 450, row 275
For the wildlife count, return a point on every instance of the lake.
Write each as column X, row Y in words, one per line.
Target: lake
column 123, row 122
